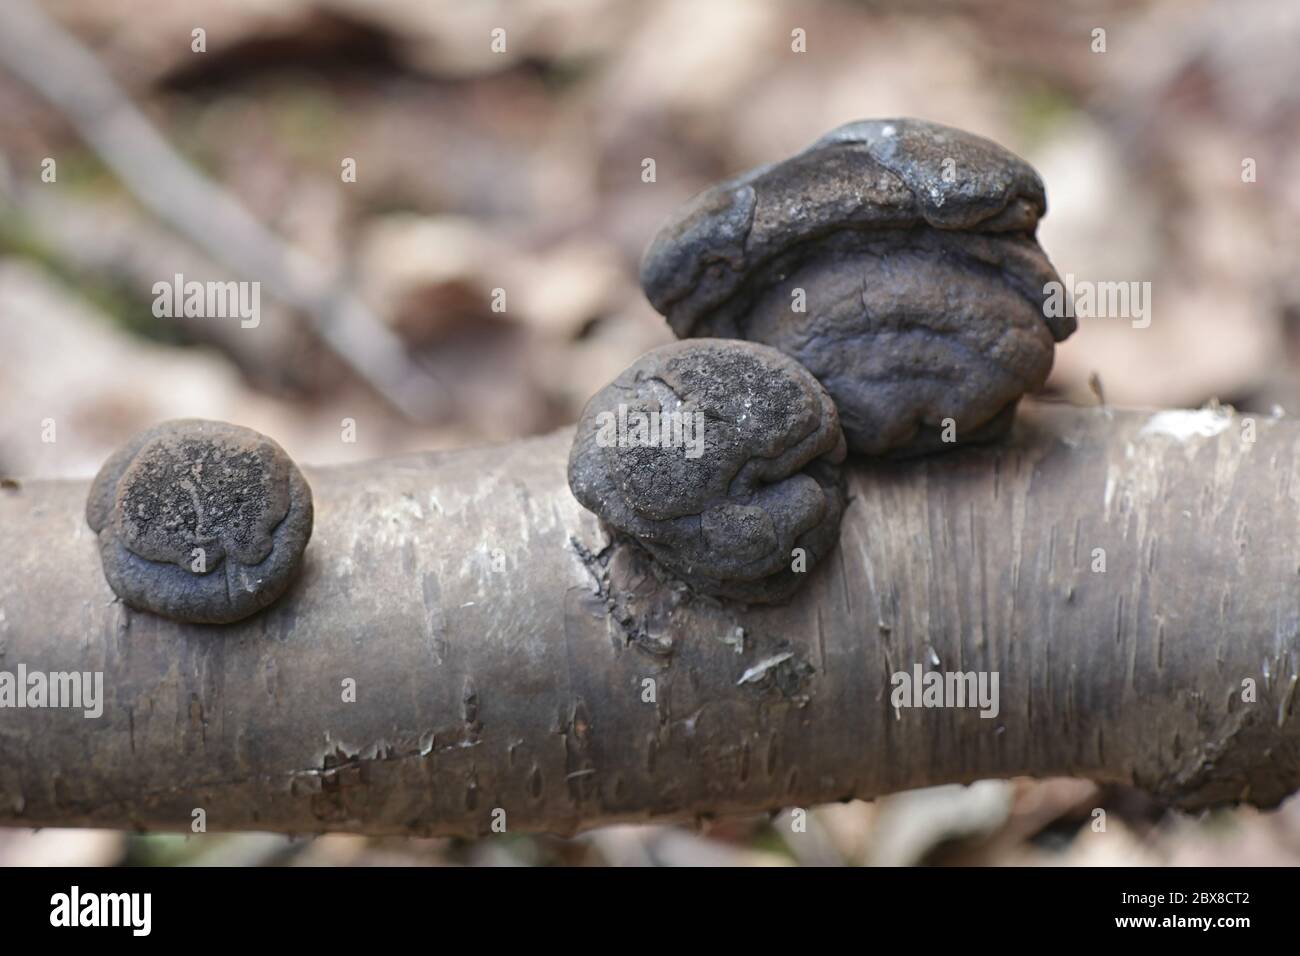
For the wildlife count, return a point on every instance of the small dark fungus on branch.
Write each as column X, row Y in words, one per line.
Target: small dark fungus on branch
column 895, row 259
column 722, row 459
column 200, row 521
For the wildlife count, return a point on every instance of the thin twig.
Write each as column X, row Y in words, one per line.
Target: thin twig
column 41, row 53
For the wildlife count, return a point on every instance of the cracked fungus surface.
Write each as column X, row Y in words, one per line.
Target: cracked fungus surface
column 201, row 521
column 218, row 493
column 752, row 473
column 913, row 247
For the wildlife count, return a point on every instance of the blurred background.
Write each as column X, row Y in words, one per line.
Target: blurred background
column 506, row 169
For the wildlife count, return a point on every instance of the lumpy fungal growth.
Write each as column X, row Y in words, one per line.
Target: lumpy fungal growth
column 721, row 458
column 895, row 259
column 200, row 521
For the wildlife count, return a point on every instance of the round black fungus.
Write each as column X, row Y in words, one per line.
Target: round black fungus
column 896, row 260
column 722, row 459
column 200, row 521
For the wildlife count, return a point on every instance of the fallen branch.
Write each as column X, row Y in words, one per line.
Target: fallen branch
column 501, row 648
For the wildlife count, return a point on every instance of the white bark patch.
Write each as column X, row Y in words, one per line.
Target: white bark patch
column 757, row 672
column 1183, row 425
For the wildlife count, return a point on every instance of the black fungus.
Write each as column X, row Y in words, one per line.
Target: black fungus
column 200, row 521
column 722, row 459
column 896, row 260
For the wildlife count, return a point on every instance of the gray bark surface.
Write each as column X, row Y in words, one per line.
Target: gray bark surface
column 500, row 645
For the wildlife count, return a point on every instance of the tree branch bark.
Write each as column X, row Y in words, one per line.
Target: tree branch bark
column 501, row 645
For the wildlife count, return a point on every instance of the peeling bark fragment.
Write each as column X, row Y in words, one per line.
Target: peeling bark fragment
column 720, row 458
column 200, row 521
column 912, row 248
